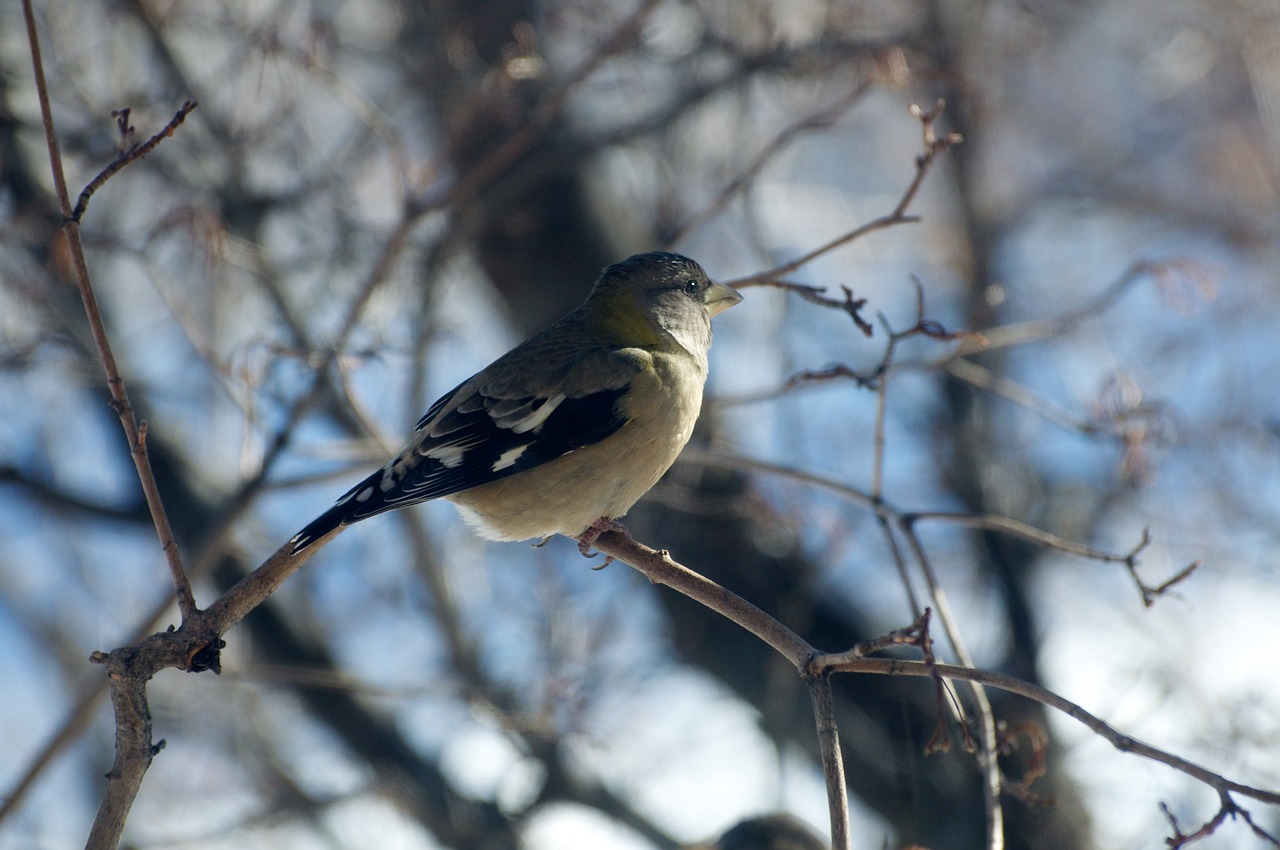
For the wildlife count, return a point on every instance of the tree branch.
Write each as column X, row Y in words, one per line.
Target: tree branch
column 127, row 157
column 660, row 568
column 933, row 147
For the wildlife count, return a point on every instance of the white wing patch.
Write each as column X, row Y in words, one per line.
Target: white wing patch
column 534, row 420
column 509, row 457
column 450, row 454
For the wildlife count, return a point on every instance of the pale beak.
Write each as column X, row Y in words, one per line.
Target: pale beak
column 720, row 298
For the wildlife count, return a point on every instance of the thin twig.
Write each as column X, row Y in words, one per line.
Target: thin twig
column 819, row 120
column 1031, row 534
column 491, row 166
column 988, row 757
column 933, row 146
column 659, row 568
column 525, row 137
column 128, row 157
column 922, row 326
column 872, row 379
column 726, row 460
column 194, row 645
column 1021, row 530
column 1124, row 743
column 988, row 753
column 1035, row 330
column 134, row 433
column 1150, row 593
column 900, row 564
column 985, row 378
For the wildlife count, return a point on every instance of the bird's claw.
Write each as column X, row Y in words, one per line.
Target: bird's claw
column 593, row 532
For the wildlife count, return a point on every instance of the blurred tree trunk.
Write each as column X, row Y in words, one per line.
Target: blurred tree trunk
column 532, row 230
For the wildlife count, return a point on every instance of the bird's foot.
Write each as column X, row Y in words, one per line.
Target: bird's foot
column 593, row 532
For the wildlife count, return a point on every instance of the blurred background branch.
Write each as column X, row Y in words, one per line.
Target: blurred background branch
column 345, row 228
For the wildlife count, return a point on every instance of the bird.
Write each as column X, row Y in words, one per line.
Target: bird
column 564, row 433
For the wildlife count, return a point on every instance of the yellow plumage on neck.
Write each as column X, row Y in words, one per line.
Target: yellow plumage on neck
column 621, row 318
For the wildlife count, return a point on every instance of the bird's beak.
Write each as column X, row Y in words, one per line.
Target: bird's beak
column 720, row 298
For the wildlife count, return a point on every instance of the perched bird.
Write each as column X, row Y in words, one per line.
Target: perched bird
column 565, row 432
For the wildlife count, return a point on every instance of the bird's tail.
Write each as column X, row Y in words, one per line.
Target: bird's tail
column 318, row 527
column 344, row 512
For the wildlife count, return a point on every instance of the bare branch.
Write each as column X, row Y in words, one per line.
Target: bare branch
column 1122, row 742
column 821, row 119
column 135, row 434
column 933, row 147
column 824, row 715
column 659, row 568
column 1163, row 271
column 132, row 155
column 1229, row 808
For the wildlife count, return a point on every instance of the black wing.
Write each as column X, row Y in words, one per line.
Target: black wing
column 482, row 439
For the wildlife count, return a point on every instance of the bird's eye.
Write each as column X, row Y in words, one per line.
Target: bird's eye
column 690, row 287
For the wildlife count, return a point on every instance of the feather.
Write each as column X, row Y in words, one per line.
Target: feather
column 479, row 440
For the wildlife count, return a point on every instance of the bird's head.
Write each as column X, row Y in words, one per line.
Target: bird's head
column 647, row 296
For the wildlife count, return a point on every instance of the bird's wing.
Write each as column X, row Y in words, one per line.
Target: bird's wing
column 488, row 429
column 486, row 437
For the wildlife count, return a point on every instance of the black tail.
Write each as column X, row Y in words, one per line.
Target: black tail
column 343, row 512
column 317, row 528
